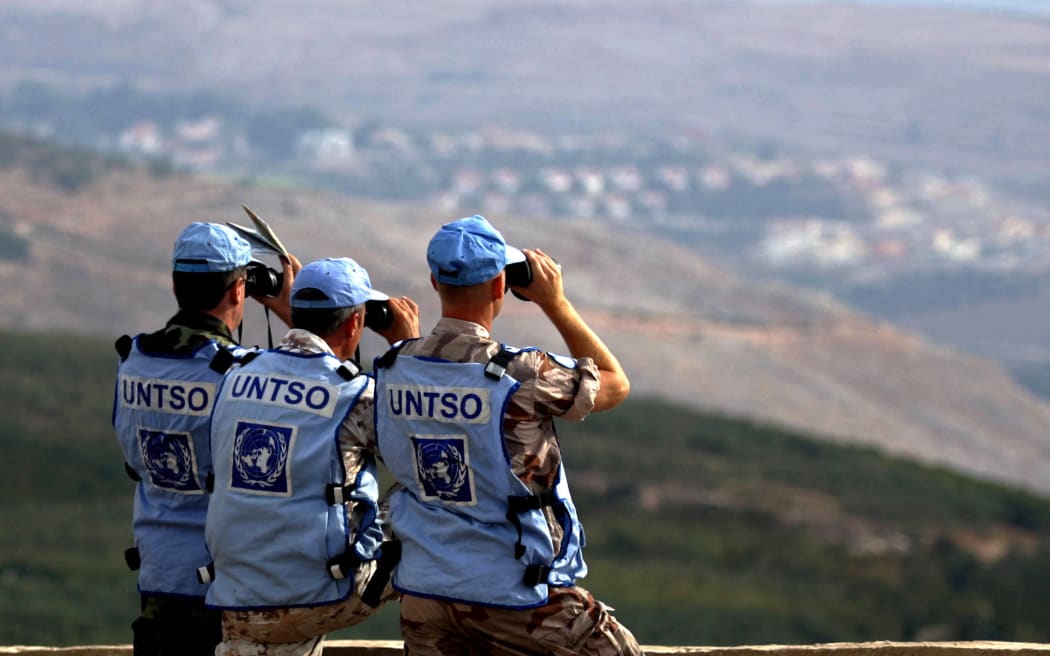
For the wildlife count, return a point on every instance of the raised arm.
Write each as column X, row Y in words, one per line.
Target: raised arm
column 547, row 291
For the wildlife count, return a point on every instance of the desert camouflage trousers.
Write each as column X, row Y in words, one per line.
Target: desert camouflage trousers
column 572, row 622
column 297, row 631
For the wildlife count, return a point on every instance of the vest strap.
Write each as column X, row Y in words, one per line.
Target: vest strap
column 206, row 574
column 387, row 359
column 497, row 366
column 522, row 504
column 336, row 494
column 130, row 471
column 535, row 575
column 249, row 356
column 389, row 556
column 123, row 346
column 209, row 482
column 132, row 558
column 222, row 361
column 342, row 564
column 348, row 370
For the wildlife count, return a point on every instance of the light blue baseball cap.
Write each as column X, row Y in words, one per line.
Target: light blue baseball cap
column 209, row 247
column 340, row 281
column 469, row 251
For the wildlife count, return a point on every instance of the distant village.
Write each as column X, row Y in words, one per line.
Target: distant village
column 850, row 214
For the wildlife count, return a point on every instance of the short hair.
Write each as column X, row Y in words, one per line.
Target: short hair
column 202, row 291
column 321, row 321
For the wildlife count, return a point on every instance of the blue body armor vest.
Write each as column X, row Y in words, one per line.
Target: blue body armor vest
column 277, row 521
column 160, row 414
column 470, row 530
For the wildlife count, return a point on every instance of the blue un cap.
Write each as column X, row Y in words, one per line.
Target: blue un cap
column 209, row 247
column 469, row 252
column 340, row 281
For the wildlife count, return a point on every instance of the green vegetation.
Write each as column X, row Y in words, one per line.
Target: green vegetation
column 702, row 529
column 65, row 167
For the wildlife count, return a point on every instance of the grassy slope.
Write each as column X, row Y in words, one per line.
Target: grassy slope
column 707, row 530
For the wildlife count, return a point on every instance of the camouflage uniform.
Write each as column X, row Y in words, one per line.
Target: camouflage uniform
column 169, row 624
column 300, row 631
column 573, row 621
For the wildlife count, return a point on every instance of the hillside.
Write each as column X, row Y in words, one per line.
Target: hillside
column 86, row 247
column 702, row 529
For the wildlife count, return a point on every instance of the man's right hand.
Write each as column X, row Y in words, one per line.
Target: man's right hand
column 546, row 289
column 281, row 305
column 406, row 320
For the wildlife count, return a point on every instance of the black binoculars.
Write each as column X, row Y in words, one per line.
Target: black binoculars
column 261, row 280
column 519, row 274
column 378, row 315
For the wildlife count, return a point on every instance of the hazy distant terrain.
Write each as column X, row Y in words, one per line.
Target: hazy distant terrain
column 96, row 260
column 959, row 89
column 961, row 93
column 927, row 89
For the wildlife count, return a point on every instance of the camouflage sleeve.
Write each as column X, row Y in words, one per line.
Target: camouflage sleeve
column 357, row 432
column 559, row 390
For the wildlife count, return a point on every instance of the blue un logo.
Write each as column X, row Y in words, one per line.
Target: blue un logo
column 170, row 460
column 443, row 468
column 260, row 458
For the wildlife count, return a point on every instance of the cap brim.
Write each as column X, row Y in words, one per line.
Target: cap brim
column 377, row 295
column 513, row 255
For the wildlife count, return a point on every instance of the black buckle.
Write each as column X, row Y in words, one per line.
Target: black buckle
column 341, row 565
column 336, row 494
column 535, row 575
column 206, row 574
column 497, row 366
column 222, row 361
column 348, row 370
column 132, row 558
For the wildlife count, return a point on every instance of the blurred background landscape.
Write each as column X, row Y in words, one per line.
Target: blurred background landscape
column 815, row 233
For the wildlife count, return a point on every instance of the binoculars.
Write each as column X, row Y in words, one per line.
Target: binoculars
column 378, row 316
column 519, row 274
column 261, row 280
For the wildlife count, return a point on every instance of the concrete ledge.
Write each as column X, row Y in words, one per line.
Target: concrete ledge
column 394, row 648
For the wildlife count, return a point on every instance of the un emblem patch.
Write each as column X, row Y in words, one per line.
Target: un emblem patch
column 170, row 460
column 443, row 469
column 260, row 458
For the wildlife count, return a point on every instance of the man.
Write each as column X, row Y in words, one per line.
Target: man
column 166, row 387
column 294, row 525
column 491, row 544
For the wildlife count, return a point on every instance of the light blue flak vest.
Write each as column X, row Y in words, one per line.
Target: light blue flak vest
column 470, row 530
column 160, row 413
column 278, row 523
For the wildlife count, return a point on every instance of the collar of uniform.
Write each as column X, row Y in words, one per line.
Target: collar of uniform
column 460, row 327
column 304, row 341
column 201, row 322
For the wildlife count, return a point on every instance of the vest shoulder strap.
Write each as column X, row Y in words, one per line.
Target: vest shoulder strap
column 497, row 366
column 123, row 346
column 222, row 361
column 348, row 370
column 387, row 359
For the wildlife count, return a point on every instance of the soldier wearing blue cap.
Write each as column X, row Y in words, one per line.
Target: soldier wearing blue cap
column 166, row 386
column 491, row 542
column 294, row 526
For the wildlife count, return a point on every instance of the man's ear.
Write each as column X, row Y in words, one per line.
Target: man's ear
column 238, row 292
column 499, row 286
